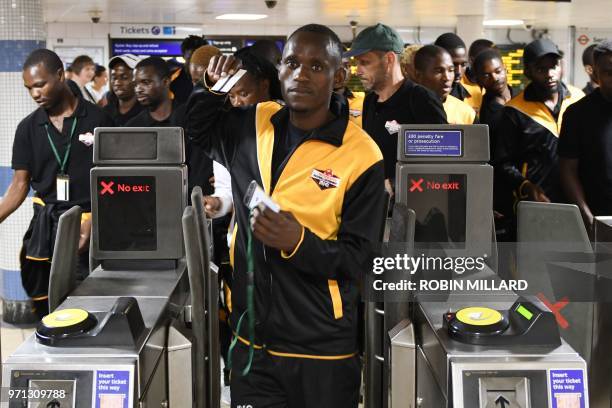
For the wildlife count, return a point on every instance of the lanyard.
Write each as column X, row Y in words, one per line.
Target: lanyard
column 62, row 163
column 250, row 309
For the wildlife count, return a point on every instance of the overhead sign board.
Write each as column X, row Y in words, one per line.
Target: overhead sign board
column 160, row 47
column 154, row 30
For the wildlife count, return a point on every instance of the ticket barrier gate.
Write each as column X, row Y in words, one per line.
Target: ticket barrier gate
column 493, row 349
column 120, row 338
column 204, row 286
column 599, row 362
column 577, row 282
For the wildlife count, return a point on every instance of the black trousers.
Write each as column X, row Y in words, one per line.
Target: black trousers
column 279, row 382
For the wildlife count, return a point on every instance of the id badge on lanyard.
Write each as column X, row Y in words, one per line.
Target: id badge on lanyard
column 62, row 180
column 62, row 185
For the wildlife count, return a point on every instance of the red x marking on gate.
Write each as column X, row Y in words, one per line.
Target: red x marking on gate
column 416, row 185
column 107, row 187
column 556, row 309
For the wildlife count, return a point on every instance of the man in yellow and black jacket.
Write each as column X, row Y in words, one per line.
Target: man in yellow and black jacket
column 434, row 69
column 327, row 176
column 354, row 99
column 526, row 148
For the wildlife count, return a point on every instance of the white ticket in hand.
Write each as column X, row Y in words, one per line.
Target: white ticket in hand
column 256, row 195
column 224, row 85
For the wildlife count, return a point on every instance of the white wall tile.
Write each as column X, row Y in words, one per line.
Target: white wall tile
column 19, row 20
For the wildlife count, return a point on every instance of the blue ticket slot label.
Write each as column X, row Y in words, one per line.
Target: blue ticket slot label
column 446, row 143
column 112, row 389
column 567, row 388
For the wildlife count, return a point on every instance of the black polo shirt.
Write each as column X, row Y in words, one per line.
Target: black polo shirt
column 32, row 152
column 144, row 118
column 198, row 164
column 410, row 104
column 586, row 135
column 112, row 109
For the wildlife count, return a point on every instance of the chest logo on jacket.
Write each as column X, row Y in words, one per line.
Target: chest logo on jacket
column 355, row 112
column 325, row 179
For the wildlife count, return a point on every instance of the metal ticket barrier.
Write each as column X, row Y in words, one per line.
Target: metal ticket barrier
column 599, row 362
column 578, row 283
column 204, row 284
column 489, row 350
column 122, row 337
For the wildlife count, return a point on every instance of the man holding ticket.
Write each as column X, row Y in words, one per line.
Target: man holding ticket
column 325, row 176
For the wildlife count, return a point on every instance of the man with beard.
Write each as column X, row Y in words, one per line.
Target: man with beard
column 302, row 345
column 122, row 104
column 392, row 100
column 526, row 142
column 52, row 155
column 434, row 70
column 152, row 87
column 152, row 78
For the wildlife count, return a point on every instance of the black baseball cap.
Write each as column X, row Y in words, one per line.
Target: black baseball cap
column 378, row 37
column 539, row 48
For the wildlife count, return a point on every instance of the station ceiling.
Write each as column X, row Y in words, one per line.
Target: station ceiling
column 398, row 13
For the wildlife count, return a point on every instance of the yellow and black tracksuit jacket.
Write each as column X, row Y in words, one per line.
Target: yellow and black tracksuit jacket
column 355, row 104
column 474, row 93
column 527, row 137
column 468, row 92
column 333, row 183
column 458, row 112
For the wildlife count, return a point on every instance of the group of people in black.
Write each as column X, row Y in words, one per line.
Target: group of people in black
column 326, row 155
column 540, row 148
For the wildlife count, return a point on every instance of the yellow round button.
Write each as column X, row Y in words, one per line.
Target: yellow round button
column 479, row 316
column 65, row 318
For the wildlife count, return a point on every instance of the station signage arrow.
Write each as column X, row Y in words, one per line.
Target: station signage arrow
column 502, row 402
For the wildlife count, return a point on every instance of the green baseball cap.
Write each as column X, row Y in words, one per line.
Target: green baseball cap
column 379, row 37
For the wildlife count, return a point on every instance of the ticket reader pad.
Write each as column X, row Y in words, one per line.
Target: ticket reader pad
column 487, row 350
column 109, row 344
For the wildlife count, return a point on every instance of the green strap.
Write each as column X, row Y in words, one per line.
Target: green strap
column 62, row 163
column 250, row 308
